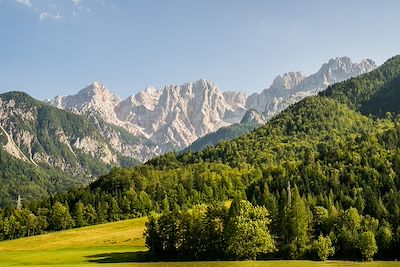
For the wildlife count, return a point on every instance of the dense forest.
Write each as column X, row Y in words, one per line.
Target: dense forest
column 320, row 180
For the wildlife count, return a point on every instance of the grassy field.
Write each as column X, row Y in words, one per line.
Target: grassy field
column 82, row 247
column 118, row 243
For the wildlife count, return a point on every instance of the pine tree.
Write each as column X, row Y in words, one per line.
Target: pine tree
column 298, row 225
column 79, row 215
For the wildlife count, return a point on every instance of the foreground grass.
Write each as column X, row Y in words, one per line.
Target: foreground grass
column 120, row 243
column 75, row 247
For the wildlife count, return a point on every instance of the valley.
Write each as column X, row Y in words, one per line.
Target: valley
column 199, row 133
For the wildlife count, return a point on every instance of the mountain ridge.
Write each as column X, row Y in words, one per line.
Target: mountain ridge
column 177, row 115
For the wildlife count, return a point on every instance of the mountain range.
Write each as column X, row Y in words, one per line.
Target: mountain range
column 177, row 115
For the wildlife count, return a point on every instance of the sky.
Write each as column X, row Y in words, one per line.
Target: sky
column 57, row 47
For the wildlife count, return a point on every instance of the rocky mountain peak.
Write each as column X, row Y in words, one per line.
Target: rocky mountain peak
column 339, row 64
column 203, row 83
column 97, row 90
column 147, row 98
column 150, row 90
column 365, row 66
column 96, row 85
column 287, row 80
column 253, row 117
column 341, row 68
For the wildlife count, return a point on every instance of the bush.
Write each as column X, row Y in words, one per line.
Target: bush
column 323, row 248
column 367, row 245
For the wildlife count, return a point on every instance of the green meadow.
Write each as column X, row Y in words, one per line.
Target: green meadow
column 118, row 243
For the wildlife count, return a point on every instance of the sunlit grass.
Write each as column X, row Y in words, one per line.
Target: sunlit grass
column 123, row 233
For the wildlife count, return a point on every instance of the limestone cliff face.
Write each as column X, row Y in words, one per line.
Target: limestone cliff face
column 172, row 118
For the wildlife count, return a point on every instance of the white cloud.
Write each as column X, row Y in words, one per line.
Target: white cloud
column 46, row 9
column 45, row 15
column 24, row 2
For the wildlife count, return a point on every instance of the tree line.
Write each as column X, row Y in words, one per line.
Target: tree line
column 249, row 231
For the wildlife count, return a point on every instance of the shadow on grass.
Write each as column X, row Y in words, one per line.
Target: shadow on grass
column 120, row 257
column 137, row 256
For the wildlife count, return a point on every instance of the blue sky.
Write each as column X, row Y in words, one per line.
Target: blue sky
column 50, row 47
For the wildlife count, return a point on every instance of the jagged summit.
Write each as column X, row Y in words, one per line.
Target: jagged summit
column 253, row 117
column 287, row 80
column 95, row 88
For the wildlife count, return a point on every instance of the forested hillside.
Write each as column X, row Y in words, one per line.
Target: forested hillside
column 319, row 180
column 46, row 150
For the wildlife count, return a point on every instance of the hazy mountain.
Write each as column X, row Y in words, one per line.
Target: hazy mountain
column 222, row 134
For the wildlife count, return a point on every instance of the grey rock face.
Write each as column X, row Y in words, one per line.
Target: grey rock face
column 172, row 118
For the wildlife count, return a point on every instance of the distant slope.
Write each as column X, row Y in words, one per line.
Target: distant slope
column 222, row 134
column 18, row 177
